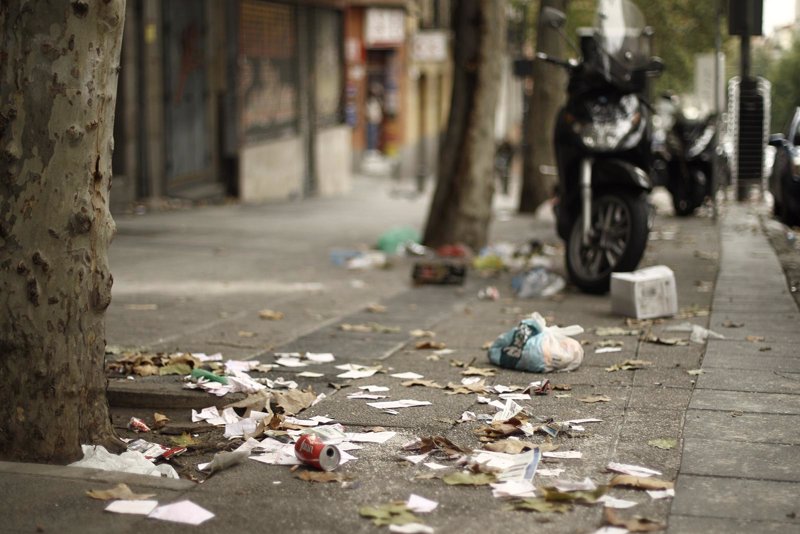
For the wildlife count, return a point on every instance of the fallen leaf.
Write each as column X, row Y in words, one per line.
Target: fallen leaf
column 433, row 357
column 369, row 327
column 184, row 440
column 581, row 497
column 141, row 307
column 396, row 513
column 466, row 389
column 457, row 363
column 595, row 398
column 648, row 483
column 755, row 339
column 425, row 383
column 609, row 343
column 175, row 369
column 616, row 331
column 537, row 504
column 430, row 344
column 294, row 401
column 422, row 333
column 270, row 315
column 321, row 476
column 246, row 333
column 671, row 341
column 693, row 311
column 663, row 443
column 120, row 491
column 764, row 349
column 510, row 446
column 439, row 443
column 376, row 308
column 562, row 387
column 635, row 524
column 479, row 371
column 732, row 324
column 465, row 478
column 629, row 365
column 695, row 372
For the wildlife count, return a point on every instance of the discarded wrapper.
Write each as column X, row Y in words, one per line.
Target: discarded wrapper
column 533, row 346
column 311, row 450
column 439, row 272
column 137, row 425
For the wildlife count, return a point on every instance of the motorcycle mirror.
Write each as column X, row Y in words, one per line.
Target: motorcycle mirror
column 555, row 18
column 776, row 140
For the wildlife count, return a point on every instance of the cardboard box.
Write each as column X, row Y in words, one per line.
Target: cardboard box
column 644, row 294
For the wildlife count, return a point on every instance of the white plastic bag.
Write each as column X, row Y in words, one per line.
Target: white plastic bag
column 535, row 347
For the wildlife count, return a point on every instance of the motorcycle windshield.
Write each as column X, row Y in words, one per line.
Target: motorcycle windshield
column 620, row 32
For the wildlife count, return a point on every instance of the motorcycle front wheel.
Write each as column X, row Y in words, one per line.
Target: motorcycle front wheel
column 617, row 239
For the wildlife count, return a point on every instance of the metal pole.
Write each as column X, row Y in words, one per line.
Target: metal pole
column 715, row 170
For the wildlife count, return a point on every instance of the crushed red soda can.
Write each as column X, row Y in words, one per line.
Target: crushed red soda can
column 311, row 450
column 137, row 425
column 489, row 293
column 439, row 272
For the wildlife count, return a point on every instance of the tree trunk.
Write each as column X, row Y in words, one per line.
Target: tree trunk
column 461, row 207
column 59, row 61
column 549, row 88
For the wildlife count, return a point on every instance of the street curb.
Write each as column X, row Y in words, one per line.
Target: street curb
column 94, row 475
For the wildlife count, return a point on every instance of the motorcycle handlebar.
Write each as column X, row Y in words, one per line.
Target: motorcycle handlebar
column 567, row 64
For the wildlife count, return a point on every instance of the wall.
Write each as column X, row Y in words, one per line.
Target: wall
column 272, row 170
column 334, row 159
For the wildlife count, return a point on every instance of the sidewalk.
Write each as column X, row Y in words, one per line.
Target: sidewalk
column 194, row 280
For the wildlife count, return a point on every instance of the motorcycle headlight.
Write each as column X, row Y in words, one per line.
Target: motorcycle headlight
column 612, row 135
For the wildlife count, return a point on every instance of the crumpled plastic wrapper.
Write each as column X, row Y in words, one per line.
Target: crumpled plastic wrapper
column 97, row 457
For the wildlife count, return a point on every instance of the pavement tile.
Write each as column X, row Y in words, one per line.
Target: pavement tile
column 740, row 459
column 657, row 376
column 723, row 347
column 721, row 497
column 760, row 360
column 755, row 402
column 660, row 398
column 765, row 381
column 684, row 524
column 747, row 427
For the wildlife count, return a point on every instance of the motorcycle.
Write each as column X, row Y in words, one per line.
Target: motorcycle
column 603, row 145
column 691, row 143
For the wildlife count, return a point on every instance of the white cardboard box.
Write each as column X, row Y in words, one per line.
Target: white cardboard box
column 644, row 294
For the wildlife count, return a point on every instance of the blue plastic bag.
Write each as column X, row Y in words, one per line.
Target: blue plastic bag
column 535, row 347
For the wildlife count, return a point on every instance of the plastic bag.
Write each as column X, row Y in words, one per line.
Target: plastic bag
column 535, row 347
column 539, row 282
column 97, row 457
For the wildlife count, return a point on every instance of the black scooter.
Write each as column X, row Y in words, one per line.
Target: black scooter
column 603, row 146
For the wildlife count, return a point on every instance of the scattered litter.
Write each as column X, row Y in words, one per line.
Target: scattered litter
column 489, row 293
column 182, row 512
column 538, row 282
column 671, row 341
column 422, row 333
column 642, row 483
column 695, row 372
column 310, row 374
column 533, row 346
column 136, row 507
column 270, row 315
column 312, row 450
column 605, row 350
column 732, row 324
column 408, row 376
column 355, row 371
column 394, row 240
column 405, row 403
column 591, row 399
column 388, row 514
column 430, row 344
column 371, row 437
column 414, row 459
column 633, row 470
column 367, row 396
column 512, row 489
column 137, row 425
column 550, row 472
column 629, row 365
column 644, row 294
column 439, row 272
column 564, row 455
column 367, row 260
column 223, row 460
column 574, row 485
column 411, row 528
column 369, row 327
column 510, row 409
column 661, row 494
column 435, row 466
column 376, row 308
column 754, row 339
column 612, row 502
column 420, row 505
column 97, row 457
column 120, row 491
column 636, row 524
column 616, row 331
column 374, row 389
column 698, row 333
column 321, row 476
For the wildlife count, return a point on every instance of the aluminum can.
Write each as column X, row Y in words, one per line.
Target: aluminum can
column 311, row 450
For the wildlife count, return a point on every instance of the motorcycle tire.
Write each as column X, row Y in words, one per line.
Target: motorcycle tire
column 686, row 199
column 617, row 240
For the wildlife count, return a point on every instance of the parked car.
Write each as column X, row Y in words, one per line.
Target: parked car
column 784, row 181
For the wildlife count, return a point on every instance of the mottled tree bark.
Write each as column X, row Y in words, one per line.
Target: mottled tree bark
column 461, row 208
column 59, row 61
column 549, row 90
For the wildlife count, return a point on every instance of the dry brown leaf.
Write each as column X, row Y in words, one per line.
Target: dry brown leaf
column 635, row 524
column 441, row 443
column 629, row 365
column 479, row 371
column 424, row 383
column 477, row 387
column 270, row 315
column 457, row 363
column 321, row 476
column 369, row 327
column 430, row 344
column 755, row 339
column 562, row 387
column 514, row 446
column 246, row 333
column 160, row 419
column 376, row 308
column 422, row 333
column 648, row 483
column 294, row 401
column 591, row 399
column 120, row 491
column 255, row 401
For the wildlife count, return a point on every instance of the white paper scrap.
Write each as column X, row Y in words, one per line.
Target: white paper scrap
column 363, row 373
column 414, row 459
column 550, row 472
column 513, row 489
column 203, row 357
column 310, row 374
column 605, row 350
column 241, row 365
column 348, row 446
column 124, row 506
column 435, row 466
column 411, row 528
column 510, row 466
column 510, row 409
column 405, row 403
column 468, row 416
column 320, row 357
column 500, row 405
column 420, row 505
column 502, row 389
column 244, row 383
column 515, row 396
column 288, row 361
column 371, row 437
column 583, row 421
column 612, row 502
column 374, row 389
column 633, row 470
column 611, row 530
column 575, row 485
column 240, row 428
column 408, row 376
column 182, row 512
column 661, row 494
column 469, row 380
column 205, row 414
column 367, row 396
column 564, row 455
column 483, row 400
